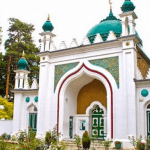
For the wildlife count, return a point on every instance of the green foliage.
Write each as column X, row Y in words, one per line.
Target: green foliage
column 4, row 136
column 137, row 143
column 106, row 143
column 77, row 140
column 26, row 143
column 13, row 138
column 47, row 138
column 85, row 137
column 7, row 112
column 3, row 73
column 20, row 38
column 32, row 134
column 22, row 136
column 147, row 144
column 3, row 145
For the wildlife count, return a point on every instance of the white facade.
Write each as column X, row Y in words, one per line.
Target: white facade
column 126, row 109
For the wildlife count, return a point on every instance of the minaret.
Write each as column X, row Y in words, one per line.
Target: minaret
column 128, row 18
column 21, row 79
column 47, row 35
column 129, row 41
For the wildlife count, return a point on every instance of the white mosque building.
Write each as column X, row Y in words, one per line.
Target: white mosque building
column 101, row 85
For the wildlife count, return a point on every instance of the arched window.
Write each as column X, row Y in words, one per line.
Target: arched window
column 148, row 106
column 33, row 118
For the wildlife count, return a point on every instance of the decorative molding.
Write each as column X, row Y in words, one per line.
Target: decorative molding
column 138, row 74
column 85, row 41
column 53, row 47
column 98, row 39
column 74, row 43
column 148, row 74
column 60, row 70
column 111, row 36
column 34, row 84
column 143, row 65
column 111, row 64
column 63, row 45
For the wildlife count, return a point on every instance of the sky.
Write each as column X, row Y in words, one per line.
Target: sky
column 71, row 18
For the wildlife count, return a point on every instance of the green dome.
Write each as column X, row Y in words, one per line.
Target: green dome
column 127, row 6
column 22, row 64
column 111, row 23
column 47, row 26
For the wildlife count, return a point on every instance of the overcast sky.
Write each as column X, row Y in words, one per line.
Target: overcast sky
column 71, row 18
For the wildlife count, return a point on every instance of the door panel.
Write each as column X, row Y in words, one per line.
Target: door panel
column 98, row 123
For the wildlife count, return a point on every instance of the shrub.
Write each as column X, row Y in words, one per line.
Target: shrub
column 4, row 136
column 7, row 112
column 77, row 140
column 106, row 143
column 86, row 141
column 47, row 138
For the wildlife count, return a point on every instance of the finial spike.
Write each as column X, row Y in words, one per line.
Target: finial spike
column 48, row 18
column 23, row 55
column 110, row 2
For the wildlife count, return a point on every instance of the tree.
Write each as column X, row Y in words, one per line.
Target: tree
column 3, row 70
column 20, row 38
column 7, row 112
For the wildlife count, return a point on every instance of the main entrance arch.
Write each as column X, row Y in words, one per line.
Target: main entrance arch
column 92, row 71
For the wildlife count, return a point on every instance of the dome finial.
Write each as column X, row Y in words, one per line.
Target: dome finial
column 23, row 55
column 110, row 2
column 48, row 18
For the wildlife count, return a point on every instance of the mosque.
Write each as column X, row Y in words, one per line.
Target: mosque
column 101, row 85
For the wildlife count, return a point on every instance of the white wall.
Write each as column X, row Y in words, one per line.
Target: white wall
column 6, row 126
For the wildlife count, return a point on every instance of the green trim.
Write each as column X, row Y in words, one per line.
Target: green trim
column 60, row 70
column 144, row 93
column 36, row 99
column 27, row 99
column 111, row 64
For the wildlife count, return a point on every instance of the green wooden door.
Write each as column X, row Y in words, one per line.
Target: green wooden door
column 98, row 123
column 33, row 121
column 148, row 125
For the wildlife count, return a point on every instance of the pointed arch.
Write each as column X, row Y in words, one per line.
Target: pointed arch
column 102, row 75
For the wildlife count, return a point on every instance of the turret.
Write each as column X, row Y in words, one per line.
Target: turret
column 21, row 79
column 47, row 35
column 128, row 18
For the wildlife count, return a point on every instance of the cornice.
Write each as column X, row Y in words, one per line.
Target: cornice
column 82, row 49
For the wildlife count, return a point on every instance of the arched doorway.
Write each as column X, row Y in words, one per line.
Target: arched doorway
column 33, row 118
column 70, row 77
column 93, row 92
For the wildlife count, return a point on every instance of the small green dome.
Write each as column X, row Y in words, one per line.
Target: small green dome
column 22, row 64
column 111, row 23
column 47, row 26
column 36, row 99
column 144, row 92
column 27, row 99
column 127, row 6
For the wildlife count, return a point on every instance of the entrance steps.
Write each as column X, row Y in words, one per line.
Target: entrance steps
column 94, row 146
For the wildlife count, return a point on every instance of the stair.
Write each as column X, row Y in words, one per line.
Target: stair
column 94, row 145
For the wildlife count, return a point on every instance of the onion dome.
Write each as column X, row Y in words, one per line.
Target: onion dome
column 127, row 6
column 48, row 25
column 22, row 63
column 111, row 23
